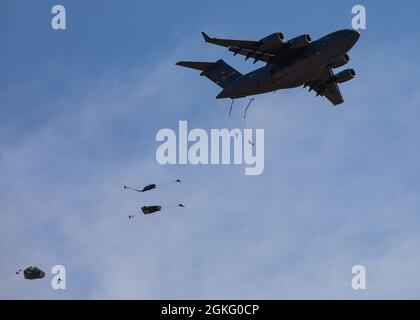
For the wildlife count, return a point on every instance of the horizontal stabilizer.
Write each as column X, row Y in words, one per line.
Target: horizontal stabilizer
column 219, row 72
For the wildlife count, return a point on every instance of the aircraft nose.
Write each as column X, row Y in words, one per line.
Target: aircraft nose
column 351, row 37
column 355, row 34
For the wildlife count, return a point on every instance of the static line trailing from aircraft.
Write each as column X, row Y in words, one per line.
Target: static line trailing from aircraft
column 294, row 63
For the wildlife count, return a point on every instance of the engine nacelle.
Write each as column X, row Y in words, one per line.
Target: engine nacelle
column 272, row 42
column 344, row 76
column 300, row 41
column 340, row 61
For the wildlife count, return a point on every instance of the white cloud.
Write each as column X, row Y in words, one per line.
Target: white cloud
column 327, row 199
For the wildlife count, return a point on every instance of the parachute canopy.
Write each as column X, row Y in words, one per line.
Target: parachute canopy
column 150, row 209
column 149, row 187
column 152, row 186
column 153, row 209
column 32, row 273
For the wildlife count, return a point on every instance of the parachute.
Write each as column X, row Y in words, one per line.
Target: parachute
column 153, row 209
column 32, row 273
column 146, row 188
column 151, row 186
column 150, row 209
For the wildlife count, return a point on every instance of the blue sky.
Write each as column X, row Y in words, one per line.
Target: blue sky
column 79, row 110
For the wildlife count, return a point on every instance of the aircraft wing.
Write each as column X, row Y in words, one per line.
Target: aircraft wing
column 248, row 48
column 257, row 55
column 324, row 88
column 232, row 43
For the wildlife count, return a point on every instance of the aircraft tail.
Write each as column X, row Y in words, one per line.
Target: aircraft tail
column 219, row 72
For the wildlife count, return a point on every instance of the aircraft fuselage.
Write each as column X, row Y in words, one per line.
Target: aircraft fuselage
column 296, row 70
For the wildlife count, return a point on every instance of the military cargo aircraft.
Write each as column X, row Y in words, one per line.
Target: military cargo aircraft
column 289, row 64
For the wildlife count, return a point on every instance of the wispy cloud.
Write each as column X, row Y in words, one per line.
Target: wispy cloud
column 339, row 188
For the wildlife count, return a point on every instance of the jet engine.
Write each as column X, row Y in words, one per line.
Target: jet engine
column 271, row 42
column 340, row 61
column 344, row 76
column 300, row 41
